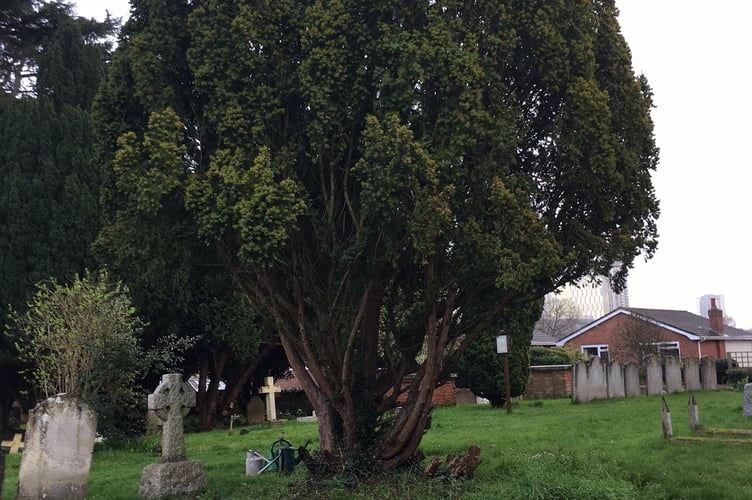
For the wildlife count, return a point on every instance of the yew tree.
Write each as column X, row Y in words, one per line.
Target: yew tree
column 386, row 180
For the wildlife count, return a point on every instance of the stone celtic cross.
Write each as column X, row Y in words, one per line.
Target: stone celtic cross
column 171, row 401
column 270, row 390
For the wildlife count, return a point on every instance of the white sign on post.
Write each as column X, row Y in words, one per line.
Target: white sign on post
column 501, row 345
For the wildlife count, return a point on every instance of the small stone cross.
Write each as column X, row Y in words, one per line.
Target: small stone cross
column 15, row 445
column 270, row 390
column 171, row 401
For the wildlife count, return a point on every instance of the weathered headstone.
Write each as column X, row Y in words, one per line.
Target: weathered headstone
column 153, row 423
column 672, row 370
column 654, row 375
column 668, row 430
column 692, row 374
column 632, row 380
column 694, row 413
column 60, row 436
column 615, row 379
column 590, row 380
column 747, row 408
column 174, row 476
column 270, row 390
column 255, row 411
column 709, row 374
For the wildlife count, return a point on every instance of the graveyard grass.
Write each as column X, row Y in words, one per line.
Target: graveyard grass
column 544, row 449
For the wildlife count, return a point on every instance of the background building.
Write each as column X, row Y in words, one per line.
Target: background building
column 703, row 304
column 592, row 300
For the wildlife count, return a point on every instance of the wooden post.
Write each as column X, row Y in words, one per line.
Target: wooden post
column 508, row 383
column 502, row 347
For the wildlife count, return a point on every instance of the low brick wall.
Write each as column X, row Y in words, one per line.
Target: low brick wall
column 443, row 395
column 549, row 382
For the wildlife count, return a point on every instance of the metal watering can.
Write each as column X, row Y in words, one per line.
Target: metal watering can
column 281, row 458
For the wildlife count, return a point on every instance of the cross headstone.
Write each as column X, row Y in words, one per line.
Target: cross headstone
column 270, row 390
column 171, row 401
column 174, row 476
column 15, row 445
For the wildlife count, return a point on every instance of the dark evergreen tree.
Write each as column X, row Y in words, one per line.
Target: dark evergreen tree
column 49, row 211
column 384, row 180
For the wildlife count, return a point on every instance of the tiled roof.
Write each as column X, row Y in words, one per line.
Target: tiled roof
column 542, row 339
column 683, row 320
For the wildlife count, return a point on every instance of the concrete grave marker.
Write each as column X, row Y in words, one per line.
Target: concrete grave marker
column 270, row 390
column 60, row 436
column 255, row 411
column 693, row 413
column 654, row 375
column 632, row 380
column 747, row 408
column 14, row 445
column 174, row 476
column 672, row 368
column 692, row 374
column 708, row 373
column 615, row 380
column 666, row 425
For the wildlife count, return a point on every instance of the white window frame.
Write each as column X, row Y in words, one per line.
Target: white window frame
column 662, row 347
column 600, row 349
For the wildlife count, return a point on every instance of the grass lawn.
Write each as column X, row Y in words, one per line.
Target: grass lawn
column 543, row 449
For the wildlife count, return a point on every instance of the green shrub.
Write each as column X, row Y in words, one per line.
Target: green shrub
column 737, row 376
column 541, row 356
column 83, row 340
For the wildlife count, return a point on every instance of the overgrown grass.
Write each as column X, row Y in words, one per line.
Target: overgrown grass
column 543, row 449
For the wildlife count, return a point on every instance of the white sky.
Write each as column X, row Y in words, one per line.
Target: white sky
column 695, row 55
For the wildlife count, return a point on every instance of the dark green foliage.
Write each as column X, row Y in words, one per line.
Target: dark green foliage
column 49, row 211
column 541, row 356
column 481, row 369
column 733, row 375
column 384, row 181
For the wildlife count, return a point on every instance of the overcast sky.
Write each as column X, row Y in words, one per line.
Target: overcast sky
column 695, row 55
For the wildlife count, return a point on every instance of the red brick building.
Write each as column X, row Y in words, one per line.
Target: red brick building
column 668, row 332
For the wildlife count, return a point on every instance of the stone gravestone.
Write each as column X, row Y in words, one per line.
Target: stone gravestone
column 693, row 412
column 666, row 425
column 255, row 411
column 708, row 373
column 632, row 380
column 692, row 374
column 153, row 423
column 672, row 367
column 174, row 476
column 654, row 375
column 747, row 408
column 615, row 378
column 590, row 380
column 60, row 436
column 270, row 390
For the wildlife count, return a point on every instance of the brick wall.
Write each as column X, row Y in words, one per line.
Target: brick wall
column 443, row 395
column 548, row 382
